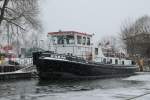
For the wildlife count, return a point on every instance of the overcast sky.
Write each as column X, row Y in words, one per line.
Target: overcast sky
column 102, row 17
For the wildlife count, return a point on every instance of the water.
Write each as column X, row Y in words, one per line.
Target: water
column 103, row 89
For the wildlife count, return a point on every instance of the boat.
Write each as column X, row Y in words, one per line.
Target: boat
column 15, row 68
column 72, row 55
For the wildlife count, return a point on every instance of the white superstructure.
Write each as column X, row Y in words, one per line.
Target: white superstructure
column 80, row 44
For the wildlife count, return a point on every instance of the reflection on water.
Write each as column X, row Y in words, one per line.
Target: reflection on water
column 65, row 86
column 117, row 88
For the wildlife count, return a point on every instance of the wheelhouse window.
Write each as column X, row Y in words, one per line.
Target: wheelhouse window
column 79, row 39
column 60, row 39
column 84, row 41
column 54, row 39
column 70, row 39
column 88, row 41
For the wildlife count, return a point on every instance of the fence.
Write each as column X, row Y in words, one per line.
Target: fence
column 20, row 61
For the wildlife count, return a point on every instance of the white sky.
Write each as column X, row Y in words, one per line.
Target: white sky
column 102, row 17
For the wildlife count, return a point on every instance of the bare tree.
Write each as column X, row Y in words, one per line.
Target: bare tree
column 19, row 14
column 18, row 17
column 109, row 42
column 133, row 36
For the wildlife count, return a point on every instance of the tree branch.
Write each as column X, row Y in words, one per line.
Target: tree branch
column 9, row 21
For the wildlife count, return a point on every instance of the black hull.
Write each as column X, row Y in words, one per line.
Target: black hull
column 62, row 69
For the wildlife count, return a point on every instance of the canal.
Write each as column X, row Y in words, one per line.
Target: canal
column 136, row 87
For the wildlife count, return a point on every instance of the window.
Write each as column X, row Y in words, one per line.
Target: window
column 84, row 41
column 60, row 39
column 133, row 63
column 122, row 62
column 96, row 51
column 79, row 39
column 54, row 39
column 88, row 41
column 70, row 39
column 116, row 61
column 110, row 61
column 104, row 60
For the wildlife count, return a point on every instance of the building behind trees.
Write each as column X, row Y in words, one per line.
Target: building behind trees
column 136, row 37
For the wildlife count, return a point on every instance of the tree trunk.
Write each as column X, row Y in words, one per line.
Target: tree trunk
column 3, row 10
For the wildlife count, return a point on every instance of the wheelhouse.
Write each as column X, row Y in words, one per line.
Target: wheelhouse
column 75, row 43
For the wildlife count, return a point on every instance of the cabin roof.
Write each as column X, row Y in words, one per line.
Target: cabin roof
column 69, row 32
